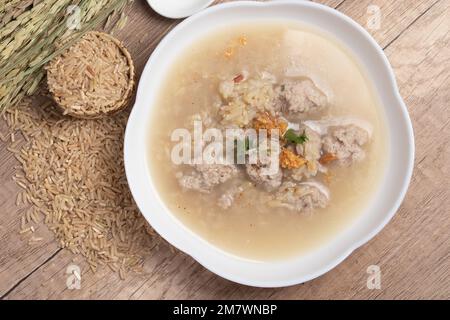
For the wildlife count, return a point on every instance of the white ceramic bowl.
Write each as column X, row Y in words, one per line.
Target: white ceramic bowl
column 176, row 9
column 381, row 209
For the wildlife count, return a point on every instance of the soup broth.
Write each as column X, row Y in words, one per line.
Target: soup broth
column 251, row 227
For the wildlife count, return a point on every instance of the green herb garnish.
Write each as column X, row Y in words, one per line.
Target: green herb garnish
column 247, row 144
column 292, row 137
column 243, row 149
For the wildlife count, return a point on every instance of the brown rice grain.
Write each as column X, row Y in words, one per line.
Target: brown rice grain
column 74, row 176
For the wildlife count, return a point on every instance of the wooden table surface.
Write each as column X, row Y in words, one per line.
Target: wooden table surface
column 412, row 251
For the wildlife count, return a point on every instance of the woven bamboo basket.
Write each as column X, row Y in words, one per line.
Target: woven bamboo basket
column 75, row 77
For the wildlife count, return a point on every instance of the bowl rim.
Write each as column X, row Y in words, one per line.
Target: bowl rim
column 203, row 5
column 358, row 242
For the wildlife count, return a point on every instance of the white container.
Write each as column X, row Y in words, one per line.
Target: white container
column 381, row 209
column 176, row 9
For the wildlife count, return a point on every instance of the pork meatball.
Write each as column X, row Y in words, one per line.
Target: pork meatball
column 256, row 173
column 206, row 176
column 300, row 96
column 345, row 143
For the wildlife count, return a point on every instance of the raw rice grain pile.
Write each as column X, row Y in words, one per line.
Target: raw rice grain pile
column 92, row 78
column 73, row 174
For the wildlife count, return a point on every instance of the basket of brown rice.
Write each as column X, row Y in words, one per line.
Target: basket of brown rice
column 93, row 78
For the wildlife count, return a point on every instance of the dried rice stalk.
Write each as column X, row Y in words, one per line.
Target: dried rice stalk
column 33, row 32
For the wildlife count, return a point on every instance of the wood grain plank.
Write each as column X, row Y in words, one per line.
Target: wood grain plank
column 330, row 3
column 396, row 16
column 412, row 251
column 17, row 257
